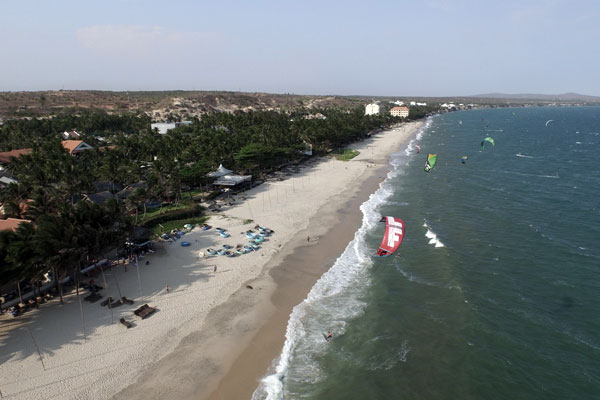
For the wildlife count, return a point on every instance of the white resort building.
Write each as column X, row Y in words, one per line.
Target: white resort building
column 372, row 109
column 164, row 127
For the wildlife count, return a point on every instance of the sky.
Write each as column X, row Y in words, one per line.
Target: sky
column 374, row 47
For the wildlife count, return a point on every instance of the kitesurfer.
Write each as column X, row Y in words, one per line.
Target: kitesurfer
column 329, row 336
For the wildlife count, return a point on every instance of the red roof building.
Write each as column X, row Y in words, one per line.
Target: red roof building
column 11, row 224
column 399, row 112
column 76, row 146
column 7, row 155
column 73, row 146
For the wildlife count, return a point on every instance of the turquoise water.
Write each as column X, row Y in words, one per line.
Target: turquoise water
column 495, row 291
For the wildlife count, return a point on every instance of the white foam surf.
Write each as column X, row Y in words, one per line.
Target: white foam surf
column 412, row 145
column 433, row 239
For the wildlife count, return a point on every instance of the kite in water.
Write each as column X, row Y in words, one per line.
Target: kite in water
column 464, row 159
column 550, row 120
column 488, row 140
column 418, row 148
column 394, row 233
column 430, row 163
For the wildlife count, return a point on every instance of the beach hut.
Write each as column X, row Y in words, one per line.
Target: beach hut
column 232, row 183
column 221, row 171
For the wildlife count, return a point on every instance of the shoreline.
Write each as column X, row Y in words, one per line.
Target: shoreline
column 209, row 320
column 294, row 279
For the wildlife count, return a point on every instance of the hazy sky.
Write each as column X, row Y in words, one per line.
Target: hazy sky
column 396, row 47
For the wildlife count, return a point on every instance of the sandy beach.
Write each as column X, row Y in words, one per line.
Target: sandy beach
column 215, row 332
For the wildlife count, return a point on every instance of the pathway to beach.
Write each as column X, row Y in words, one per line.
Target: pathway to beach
column 207, row 319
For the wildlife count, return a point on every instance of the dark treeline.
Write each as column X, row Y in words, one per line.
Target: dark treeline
column 23, row 133
column 66, row 231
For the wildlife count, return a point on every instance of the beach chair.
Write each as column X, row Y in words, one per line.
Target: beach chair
column 126, row 300
column 139, row 310
column 144, row 311
column 94, row 297
column 126, row 323
column 115, row 303
column 106, row 302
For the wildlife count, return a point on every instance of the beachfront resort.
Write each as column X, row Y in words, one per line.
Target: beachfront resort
column 116, row 246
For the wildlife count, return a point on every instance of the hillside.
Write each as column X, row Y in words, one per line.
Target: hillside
column 176, row 105
column 159, row 105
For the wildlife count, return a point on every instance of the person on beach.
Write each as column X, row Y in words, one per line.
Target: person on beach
column 308, row 239
column 167, row 289
column 215, row 269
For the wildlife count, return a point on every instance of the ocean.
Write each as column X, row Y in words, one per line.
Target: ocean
column 494, row 291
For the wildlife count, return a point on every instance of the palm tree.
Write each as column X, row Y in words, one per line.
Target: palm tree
column 56, row 242
column 22, row 259
column 9, row 271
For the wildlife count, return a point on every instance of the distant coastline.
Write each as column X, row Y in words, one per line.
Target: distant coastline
column 159, row 104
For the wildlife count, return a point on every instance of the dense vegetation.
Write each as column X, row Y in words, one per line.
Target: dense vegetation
column 66, row 231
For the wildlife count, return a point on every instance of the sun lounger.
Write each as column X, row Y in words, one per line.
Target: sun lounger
column 126, row 300
column 126, row 323
column 144, row 311
column 93, row 288
column 107, row 301
column 115, row 303
column 92, row 298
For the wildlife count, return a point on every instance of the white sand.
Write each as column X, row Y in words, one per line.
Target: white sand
column 112, row 357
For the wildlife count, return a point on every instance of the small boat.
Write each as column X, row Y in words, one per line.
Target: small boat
column 230, row 253
column 259, row 239
column 226, row 246
column 185, row 244
column 250, row 235
column 212, row 252
column 240, row 251
column 254, row 246
column 224, row 234
column 220, row 229
column 264, row 230
column 248, row 249
column 221, row 252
